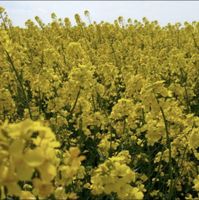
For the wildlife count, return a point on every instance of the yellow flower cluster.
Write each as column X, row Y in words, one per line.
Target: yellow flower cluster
column 27, row 149
column 115, row 176
column 29, row 158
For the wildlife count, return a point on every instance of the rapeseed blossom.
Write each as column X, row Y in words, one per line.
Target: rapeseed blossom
column 98, row 110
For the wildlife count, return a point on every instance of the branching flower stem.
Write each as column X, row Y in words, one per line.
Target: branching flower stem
column 168, row 141
column 13, row 68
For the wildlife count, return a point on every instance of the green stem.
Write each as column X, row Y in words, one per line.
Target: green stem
column 168, row 141
column 170, row 158
column 13, row 68
column 74, row 105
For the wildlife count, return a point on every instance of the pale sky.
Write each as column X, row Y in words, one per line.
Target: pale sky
column 163, row 11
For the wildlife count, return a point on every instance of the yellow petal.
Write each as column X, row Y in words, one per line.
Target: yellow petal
column 16, row 148
column 24, row 172
column 13, row 189
column 27, row 195
column 35, row 157
column 47, row 171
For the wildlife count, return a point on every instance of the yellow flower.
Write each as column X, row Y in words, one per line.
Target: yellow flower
column 42, row 188
column 27, row 195
column 196, row 183
column 194, row 138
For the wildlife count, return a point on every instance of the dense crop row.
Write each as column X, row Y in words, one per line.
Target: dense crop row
column 102, row 111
